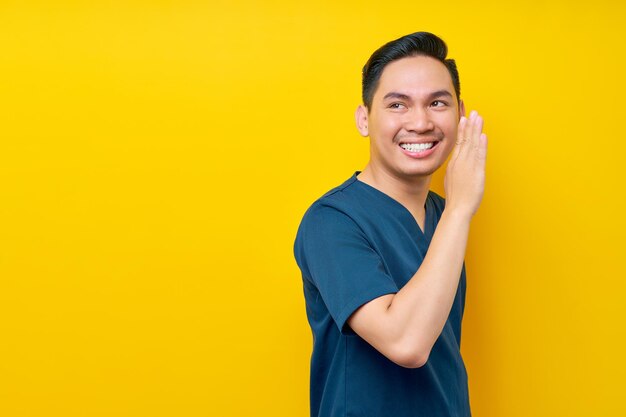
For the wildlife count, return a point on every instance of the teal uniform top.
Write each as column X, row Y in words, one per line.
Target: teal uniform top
column 353, row 245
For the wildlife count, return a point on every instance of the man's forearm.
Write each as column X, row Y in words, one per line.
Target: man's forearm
column 404, row 326
column 420, row 309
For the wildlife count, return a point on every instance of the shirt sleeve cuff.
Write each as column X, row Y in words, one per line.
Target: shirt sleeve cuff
column 357, row 301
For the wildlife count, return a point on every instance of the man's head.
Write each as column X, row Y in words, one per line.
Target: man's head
column 415, row 44
column 411, row 106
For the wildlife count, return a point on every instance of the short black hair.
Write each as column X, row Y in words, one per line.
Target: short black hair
column 415, row 44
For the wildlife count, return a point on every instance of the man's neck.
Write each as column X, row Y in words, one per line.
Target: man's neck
column 410, row 192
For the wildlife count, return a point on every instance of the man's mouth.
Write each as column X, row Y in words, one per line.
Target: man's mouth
column 417, row 147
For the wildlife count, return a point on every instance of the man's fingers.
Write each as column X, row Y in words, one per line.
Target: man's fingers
column 470, row 137
column 459, row 137
column 464, row 138
column 477, row 129
column 481, row 152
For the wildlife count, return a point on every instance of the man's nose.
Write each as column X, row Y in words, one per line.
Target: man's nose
column 418, row 120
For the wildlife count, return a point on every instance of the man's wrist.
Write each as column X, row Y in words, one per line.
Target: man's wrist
column 457, row 215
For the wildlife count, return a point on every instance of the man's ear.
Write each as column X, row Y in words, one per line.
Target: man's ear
column 362, row 120
column 461, row 108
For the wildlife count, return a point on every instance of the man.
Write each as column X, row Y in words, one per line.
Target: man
column 382, row 256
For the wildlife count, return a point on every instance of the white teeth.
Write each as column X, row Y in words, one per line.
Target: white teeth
column 416, row 147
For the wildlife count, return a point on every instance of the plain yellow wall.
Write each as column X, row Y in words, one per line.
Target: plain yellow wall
column 156, row 158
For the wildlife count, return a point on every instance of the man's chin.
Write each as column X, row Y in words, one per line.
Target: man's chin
column 417, row 176
column 422, row 172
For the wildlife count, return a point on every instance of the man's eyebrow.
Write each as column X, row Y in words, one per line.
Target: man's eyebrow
column 431, row 96
column 440, row 93
column 396, row 95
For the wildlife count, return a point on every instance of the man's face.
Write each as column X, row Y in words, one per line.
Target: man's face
column 413, row 119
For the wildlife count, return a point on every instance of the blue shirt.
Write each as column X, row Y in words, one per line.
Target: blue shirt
column 355, row 244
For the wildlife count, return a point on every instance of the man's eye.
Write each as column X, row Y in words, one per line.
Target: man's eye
column 439, row 103
column 396, row 106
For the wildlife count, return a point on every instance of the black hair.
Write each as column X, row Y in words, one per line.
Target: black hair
column 415, row 44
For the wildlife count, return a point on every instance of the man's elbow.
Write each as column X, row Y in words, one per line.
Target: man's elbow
column 408, row 357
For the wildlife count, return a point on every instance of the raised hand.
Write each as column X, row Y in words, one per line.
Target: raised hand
column 465, row 176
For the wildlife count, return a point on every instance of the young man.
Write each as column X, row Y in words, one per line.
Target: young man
column 382, row 256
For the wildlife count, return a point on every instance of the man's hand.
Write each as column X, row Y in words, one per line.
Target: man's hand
column 465, row 176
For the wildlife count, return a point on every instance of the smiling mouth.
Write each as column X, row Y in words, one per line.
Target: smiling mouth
column 417, row 147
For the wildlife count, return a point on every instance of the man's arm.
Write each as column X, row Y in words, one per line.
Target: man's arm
column 404, row 326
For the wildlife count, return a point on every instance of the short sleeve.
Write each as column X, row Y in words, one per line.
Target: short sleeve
column 340, row 261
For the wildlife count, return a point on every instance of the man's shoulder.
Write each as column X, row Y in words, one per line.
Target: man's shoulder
column 332, row 214
column 339, row 198
column 338, row 205
column 337, row 193
column 349, row 199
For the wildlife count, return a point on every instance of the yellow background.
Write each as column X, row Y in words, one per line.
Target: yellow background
column 157, row 157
